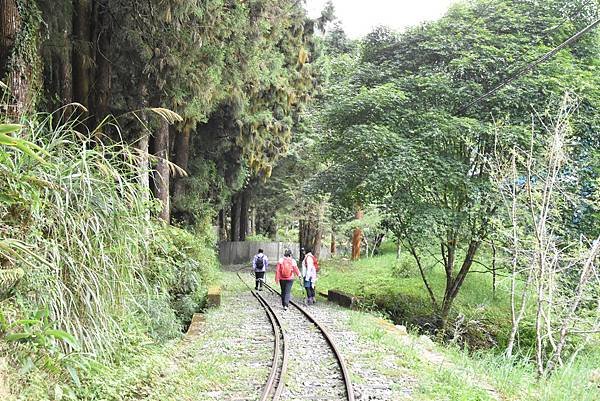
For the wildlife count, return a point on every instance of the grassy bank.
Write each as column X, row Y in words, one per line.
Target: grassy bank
column 449, row 373
column 87, row 277
column 394, row 286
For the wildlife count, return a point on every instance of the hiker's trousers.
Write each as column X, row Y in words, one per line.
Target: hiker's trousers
column 286, row 291
column 260, row 277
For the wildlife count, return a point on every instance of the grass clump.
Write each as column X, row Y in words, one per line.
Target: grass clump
column 517, row 379
column 452, row 373
column 77, row 227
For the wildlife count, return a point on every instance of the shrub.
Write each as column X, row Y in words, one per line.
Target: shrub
column 78, row 227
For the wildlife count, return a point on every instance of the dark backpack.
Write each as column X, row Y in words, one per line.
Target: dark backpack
column 260, row 263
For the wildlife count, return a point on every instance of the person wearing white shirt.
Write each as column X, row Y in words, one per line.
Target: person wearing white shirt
column 310, row 266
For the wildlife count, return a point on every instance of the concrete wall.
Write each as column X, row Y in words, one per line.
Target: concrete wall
column 240, row 252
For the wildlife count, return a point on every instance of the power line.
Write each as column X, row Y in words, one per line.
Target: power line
column 533, row 64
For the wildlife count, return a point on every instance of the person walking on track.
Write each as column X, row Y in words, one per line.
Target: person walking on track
column 310, row 267
column 260, row 262
column 284, row 275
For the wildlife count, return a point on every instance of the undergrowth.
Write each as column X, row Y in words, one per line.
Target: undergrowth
column 481, row 320
column 463, row 376
column 85, row 271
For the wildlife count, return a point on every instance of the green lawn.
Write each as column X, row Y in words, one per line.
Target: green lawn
column 395, row 287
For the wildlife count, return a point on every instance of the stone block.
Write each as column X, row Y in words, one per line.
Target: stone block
column 400, row 329
column 214, row 297
column 196, row 326
column 341, row 298
column 426, row 342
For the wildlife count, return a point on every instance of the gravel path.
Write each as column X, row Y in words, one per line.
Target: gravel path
column 313, row 371
column 376, row 374
column 229, row 359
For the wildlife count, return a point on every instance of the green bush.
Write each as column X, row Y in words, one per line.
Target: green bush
column 183, row 264
column 77, row 227
column 258, row 238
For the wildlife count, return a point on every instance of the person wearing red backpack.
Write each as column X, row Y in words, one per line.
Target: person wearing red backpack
column 284, row 275
column 310, row 267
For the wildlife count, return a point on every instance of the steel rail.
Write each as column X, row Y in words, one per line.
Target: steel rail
column 338, row 355
column 278, row 349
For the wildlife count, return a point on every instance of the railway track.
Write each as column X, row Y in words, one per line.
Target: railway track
column 274, row 387
column 275, row 382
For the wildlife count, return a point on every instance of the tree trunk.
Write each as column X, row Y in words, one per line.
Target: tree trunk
column 222, row 228
column 316, row 250
column 14, row 70
column 258, row 223
column 415, row 255
column 310, row 235
column 377, row 243
column 182, row 156
column 494, row 270
column 162, row 173
column 253, row 221
column 10, row 25
column 101, row 38
column 65, row 82
column 398, row 249
column 143, row 145
column 357, row 236
column 244, row 206
column 82, row 52
column 453, row 284
column 272, row 229
column 236, row 207
column 333, row 248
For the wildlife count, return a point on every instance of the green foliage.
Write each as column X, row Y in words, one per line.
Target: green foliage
column 182, row 265
column 204, row 188
column 517, row 379
column 77, row 231
column 258, row 238
column 39, row 346
column 244, row 66
column 394, row 287
column 397, row 134
column 37, row 330
column 24, row 146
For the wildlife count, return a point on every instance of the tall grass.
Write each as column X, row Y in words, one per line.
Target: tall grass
column 91, row 250
column 517, row 379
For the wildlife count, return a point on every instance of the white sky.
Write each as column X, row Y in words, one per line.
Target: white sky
column 359, row 17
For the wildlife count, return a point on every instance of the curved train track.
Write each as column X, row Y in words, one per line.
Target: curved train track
column 276, row 380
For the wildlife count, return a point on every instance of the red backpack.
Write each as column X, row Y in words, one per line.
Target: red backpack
column 315, row 262
column 286, row 269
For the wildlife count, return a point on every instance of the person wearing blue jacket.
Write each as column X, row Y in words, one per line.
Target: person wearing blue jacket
column 260, row 262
